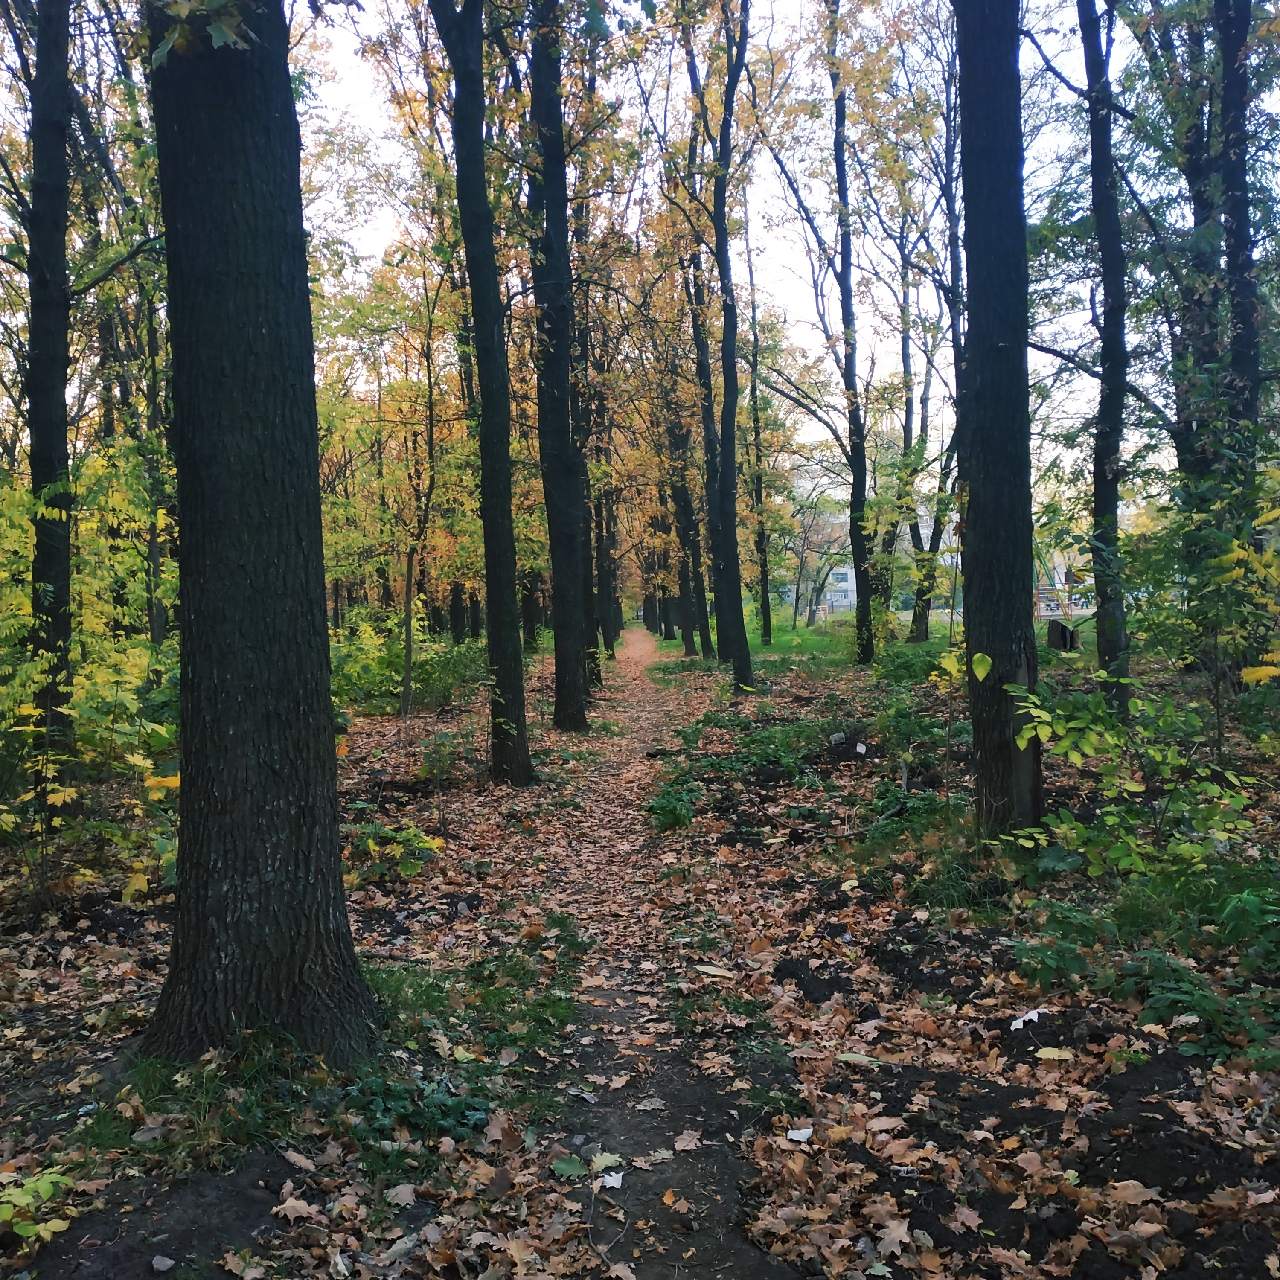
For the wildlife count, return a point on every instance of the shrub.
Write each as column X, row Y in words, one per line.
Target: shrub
column 908, row 664
column 1161, row 799
column 368, row 667
column 674, row 805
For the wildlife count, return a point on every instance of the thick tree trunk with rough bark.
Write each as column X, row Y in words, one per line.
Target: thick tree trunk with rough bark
column 47, row 365
column 261, row 938
column 462, row 32
column 995, row 415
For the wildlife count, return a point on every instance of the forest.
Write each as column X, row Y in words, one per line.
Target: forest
column 639, row 639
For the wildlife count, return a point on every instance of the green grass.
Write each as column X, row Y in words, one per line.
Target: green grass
column 462, row 1041
column 513, row 1004
column 213, row 1110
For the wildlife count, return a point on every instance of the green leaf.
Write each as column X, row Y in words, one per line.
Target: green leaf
column 161, row 53
column 570, row 1167
column 222, row 33
column 981, row 664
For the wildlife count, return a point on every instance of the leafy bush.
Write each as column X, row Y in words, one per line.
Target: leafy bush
column 905, row 730
column 908, row 664
column 674, row 805
column 1161, row 799
column 376, row 852
column 368, row 667
column 27, row 1206
column 900, row 813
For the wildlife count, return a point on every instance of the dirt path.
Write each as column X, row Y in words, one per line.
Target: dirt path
column 653, row 1094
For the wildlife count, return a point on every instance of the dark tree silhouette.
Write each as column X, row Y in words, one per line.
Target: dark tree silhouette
column 994, row 413
column 1113, row 640
column 560, row 457
column 462, row 33
column 47, row 365
column 261, row 938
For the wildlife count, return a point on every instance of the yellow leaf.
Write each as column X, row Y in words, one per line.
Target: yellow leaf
column 134, row 885
column 1259, row 675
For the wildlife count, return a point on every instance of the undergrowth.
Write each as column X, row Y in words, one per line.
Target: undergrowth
column 458, row 1042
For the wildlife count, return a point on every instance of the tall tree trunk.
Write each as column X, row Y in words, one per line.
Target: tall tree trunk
column 1108, row 583
column 406, row 629
column 559, row 454
column 153, row 450
column 47, row 365
column 953, row 295
column 757, row 449
column 261, row 938
column 649, row 612
column 927, row 554
column 696, row 295
column 733, row 629
column 996, row 464
column 815, row 595
column 530, row 608
column 1233, row 20
column 590, row 622
column 606, row 592
column 667, row 614
column 795, row 598
column 904, row 499
column 685, row 609
column 462, row 32
column 457, row 612
column 686, row 520
column 587, row 415
column 475, row 618
column 928, row 584
column 856, row 440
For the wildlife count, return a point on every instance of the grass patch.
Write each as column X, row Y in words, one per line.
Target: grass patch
column 460, row 1042
column 496, row 1022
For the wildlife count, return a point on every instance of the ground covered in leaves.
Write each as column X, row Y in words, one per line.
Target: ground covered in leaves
column 679, row 1010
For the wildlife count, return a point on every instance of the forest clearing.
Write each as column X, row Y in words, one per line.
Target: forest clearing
column 639, row 639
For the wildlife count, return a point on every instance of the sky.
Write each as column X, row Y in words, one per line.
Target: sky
column 355, row 93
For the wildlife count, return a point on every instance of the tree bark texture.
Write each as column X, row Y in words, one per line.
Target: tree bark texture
column 997, row 555
column 261, row 938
